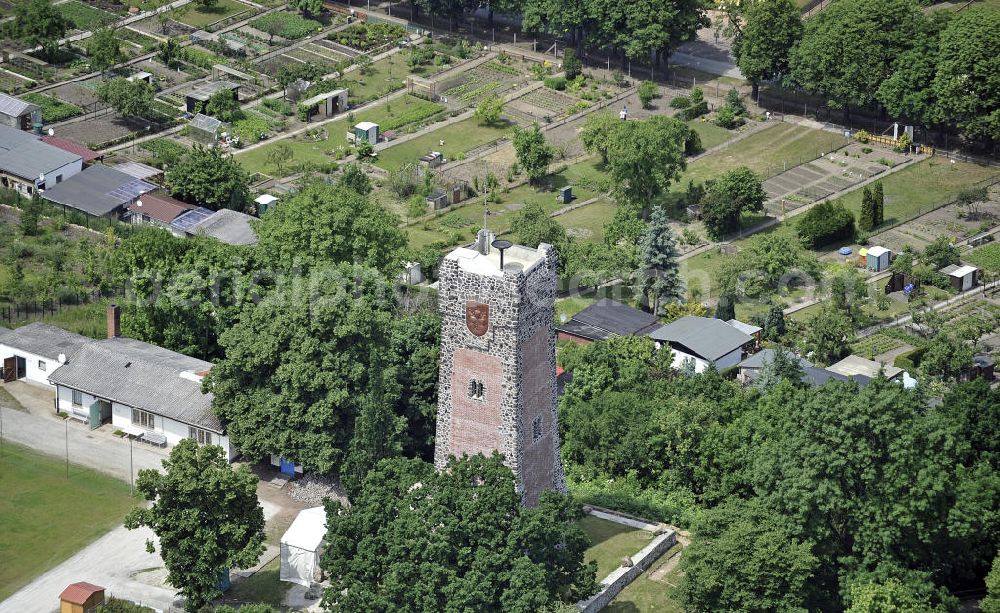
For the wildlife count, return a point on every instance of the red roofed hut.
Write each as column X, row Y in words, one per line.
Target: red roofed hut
column 81, row 597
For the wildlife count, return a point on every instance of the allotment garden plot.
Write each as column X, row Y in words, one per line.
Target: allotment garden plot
column 491, row 78
column 824, row 176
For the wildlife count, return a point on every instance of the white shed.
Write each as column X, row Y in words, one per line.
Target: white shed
column 366, row 131
column 878, row 258
column 964, row 278
column 301, row 547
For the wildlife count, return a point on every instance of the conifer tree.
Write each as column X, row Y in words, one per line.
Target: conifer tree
column 878, row 199
column 866, row 221
column 658, row 252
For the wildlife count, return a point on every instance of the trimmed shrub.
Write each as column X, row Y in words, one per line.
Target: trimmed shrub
column 825, row 223
column 556, row 83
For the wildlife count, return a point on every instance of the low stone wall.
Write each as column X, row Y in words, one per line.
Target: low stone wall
column 618, row 579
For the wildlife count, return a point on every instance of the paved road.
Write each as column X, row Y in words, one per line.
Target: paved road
column 44, row 432
column 117, row 561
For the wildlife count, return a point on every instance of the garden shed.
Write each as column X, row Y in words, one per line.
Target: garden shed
column 264, row 203
column 365, row 131
column 16, row 113
column 962, row 278
column 327, row 104
column 301, row 546
column 200, row 95
column 81, row 597
column 205, row 129
column 878, row 259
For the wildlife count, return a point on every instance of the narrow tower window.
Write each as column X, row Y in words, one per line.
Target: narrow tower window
column 476, row 389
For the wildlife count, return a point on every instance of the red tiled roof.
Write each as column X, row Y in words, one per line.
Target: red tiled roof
column 160, row 207
column 79, row 593
column 70, row 146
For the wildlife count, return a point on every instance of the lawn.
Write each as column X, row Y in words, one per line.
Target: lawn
column 465, row 220
column 84, row 319
column 571, row 306
column 765, row 152
column 263, row 587
column 986, row 257
column 587, row 223
column 921, row 186
column 83, row 16
column 645, row 595
column 46, row 517
column 384, row 76
column 611, row 542
column 711, row 134
column 198, row 17
column 306, row 149
column 458, row 138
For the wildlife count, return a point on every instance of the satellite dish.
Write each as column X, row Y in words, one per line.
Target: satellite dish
column 51, row 132
column 562, row 317
column 138, row 203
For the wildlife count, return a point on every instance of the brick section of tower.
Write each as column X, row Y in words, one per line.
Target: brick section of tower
column 515, row 363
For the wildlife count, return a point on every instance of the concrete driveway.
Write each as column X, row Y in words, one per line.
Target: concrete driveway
column 42, row 431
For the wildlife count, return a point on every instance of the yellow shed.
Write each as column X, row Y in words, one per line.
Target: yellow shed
column 81, row 597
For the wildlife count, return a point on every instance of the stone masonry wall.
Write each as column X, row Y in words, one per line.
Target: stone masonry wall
column 520, row 343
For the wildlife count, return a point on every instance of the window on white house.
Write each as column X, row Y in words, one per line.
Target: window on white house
column 41, row 365
column 477, row 390
column 203, row 437
column 77, row 398
column 142, row 418
column 536, row 428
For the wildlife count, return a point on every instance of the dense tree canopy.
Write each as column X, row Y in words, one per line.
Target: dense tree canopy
column 209, row 178
column 415, row 539
column 728, row 197
column 765, row 39
column 37, row 23
column 849, row 47
column 302, row 364
column 104, row 49
column 205, row 515
column 323, row 224
column 128, row 98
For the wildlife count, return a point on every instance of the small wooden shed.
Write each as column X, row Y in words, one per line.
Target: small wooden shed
column 326, row 104
column 963, row 278
column 878, row 259
column 81, row 597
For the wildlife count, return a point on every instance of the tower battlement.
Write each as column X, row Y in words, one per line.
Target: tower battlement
column 497, row 383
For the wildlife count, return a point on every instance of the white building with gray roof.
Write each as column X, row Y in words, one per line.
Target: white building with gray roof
column 16, row 113
column 32, row 352
column 144, row 390
column 28, row 164
column 703, row 341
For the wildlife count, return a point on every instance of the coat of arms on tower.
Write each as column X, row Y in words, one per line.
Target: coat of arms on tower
column 477, row 317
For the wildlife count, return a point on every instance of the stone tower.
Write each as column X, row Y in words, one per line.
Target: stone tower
column 497, row 385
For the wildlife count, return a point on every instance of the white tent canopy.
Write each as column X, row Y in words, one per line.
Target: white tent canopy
column 300, row 546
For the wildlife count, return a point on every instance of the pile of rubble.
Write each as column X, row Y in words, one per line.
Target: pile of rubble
column 312, row 489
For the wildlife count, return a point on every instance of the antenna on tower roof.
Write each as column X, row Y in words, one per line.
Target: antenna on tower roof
column 501, row 245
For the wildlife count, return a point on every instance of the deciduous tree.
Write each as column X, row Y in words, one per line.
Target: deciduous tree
column 762, row 47
column 515, row 558
column 323, row 225
column 728, row 197
column 128, row 98
column 533, row 153
column 490, row 110
column 38, row 23
column 209, row 178
column 205, row 515
column 302, row 364
column 104, row 49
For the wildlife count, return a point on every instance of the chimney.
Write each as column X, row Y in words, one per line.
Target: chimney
column 114, row 321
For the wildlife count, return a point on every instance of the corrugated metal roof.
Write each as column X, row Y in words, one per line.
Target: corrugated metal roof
column 142, row 376
column 611, row 317
column 709, row 338
column 137, row 170
column 44, row 340
column 230, row 227
column 160, row 207
column 98, row 190
column 854, row 365
column 71, row 147
column 24, row 155
column 15, row 107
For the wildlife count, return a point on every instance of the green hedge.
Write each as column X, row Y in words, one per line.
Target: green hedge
column 910, row 359
column 825, row 223
column 53, row 110
column 291, row 26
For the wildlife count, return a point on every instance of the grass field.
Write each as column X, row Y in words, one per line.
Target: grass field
column 711, row 134
column 46, row 517
column 83, row 16
column 385, row 76
column 458, row 138
column 923, row 185
column 645, row 595
column 587, row 223
column 463, row 222
column 764, row 152
column 611, row 543
column 986, row 257
column 305, row 149
column 198, row 17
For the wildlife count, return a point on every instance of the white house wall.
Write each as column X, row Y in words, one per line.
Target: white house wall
column 66, row 171
column 121, row 416
column 32, row 372
column 700, row 365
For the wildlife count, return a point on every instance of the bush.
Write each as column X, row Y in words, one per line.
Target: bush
column 416, row 206
column 680, row 102
column 251, row 129
column 910, row 359
column 279, row 106
column 698, row 106
column 647, row 92
column 863, row 136
column 556, row 83
column 165, row 151
column 728, row 119
column 734, row 102
column 825, row 223
column 571, row 64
